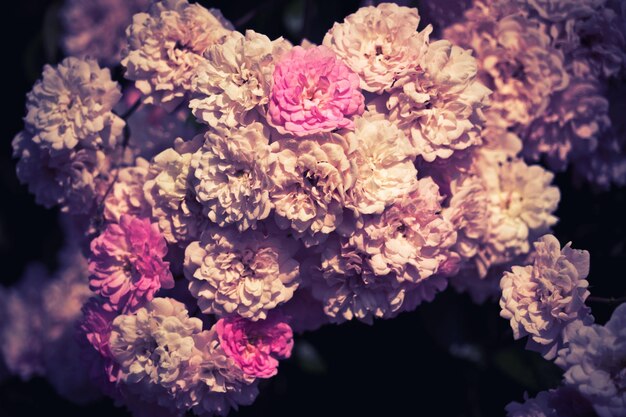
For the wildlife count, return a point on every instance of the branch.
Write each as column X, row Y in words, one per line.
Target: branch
column 606, row 300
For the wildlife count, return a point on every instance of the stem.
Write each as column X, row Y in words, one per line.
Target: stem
column 104, row 197
column 606, row 300
column 246, row 18
column 118, row 166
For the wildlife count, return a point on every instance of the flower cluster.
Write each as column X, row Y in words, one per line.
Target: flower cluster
column 37, row 326
column 240, row 188
column 593, row 363
column 545, row 301
column 70, row 135
column 553, row 68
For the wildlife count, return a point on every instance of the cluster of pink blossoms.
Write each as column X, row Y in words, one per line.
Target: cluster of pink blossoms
column 352, row 180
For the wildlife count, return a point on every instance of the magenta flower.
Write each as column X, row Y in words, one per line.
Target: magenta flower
column 255, row 346
column 126, row 263
column 94, row 331
column 313, row 92
column 96, row 325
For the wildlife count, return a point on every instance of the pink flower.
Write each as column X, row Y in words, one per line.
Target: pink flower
column 255, row 346
column 96, row 325
column 313, row 92
column 126, row 263
column 94, row 331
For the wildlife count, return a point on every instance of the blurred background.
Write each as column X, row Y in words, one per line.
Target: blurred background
column 448, row 358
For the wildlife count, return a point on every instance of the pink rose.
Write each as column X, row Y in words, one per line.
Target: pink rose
column 94, row 331
column 255, row 346
column 313, row 92
column 126, row 263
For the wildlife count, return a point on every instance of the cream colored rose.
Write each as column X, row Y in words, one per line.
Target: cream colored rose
column 384, row 165
column 165, row 45
column 439, row 104
column 380, row 44
column 231, row 176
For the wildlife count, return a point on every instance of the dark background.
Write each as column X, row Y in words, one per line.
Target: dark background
column 448, row 358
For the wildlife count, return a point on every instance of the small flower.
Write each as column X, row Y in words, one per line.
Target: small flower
column 153, row 345
column 349, row 287
column 126, row 263
column 571, row 126
column 521, row 203
column 71, row 104
column 606, row 165
column 165, row 46
column 541, row 299
column 231, row 175
column 70, row 135
column 439, row 103
column 247, row 274
column 384, row 165
column 310, row 178
column 255, row 346
column 594, row 363
column 313, row 92
column 596, row 45
column 411, row 238
column 380, row 44
column 94, row 331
